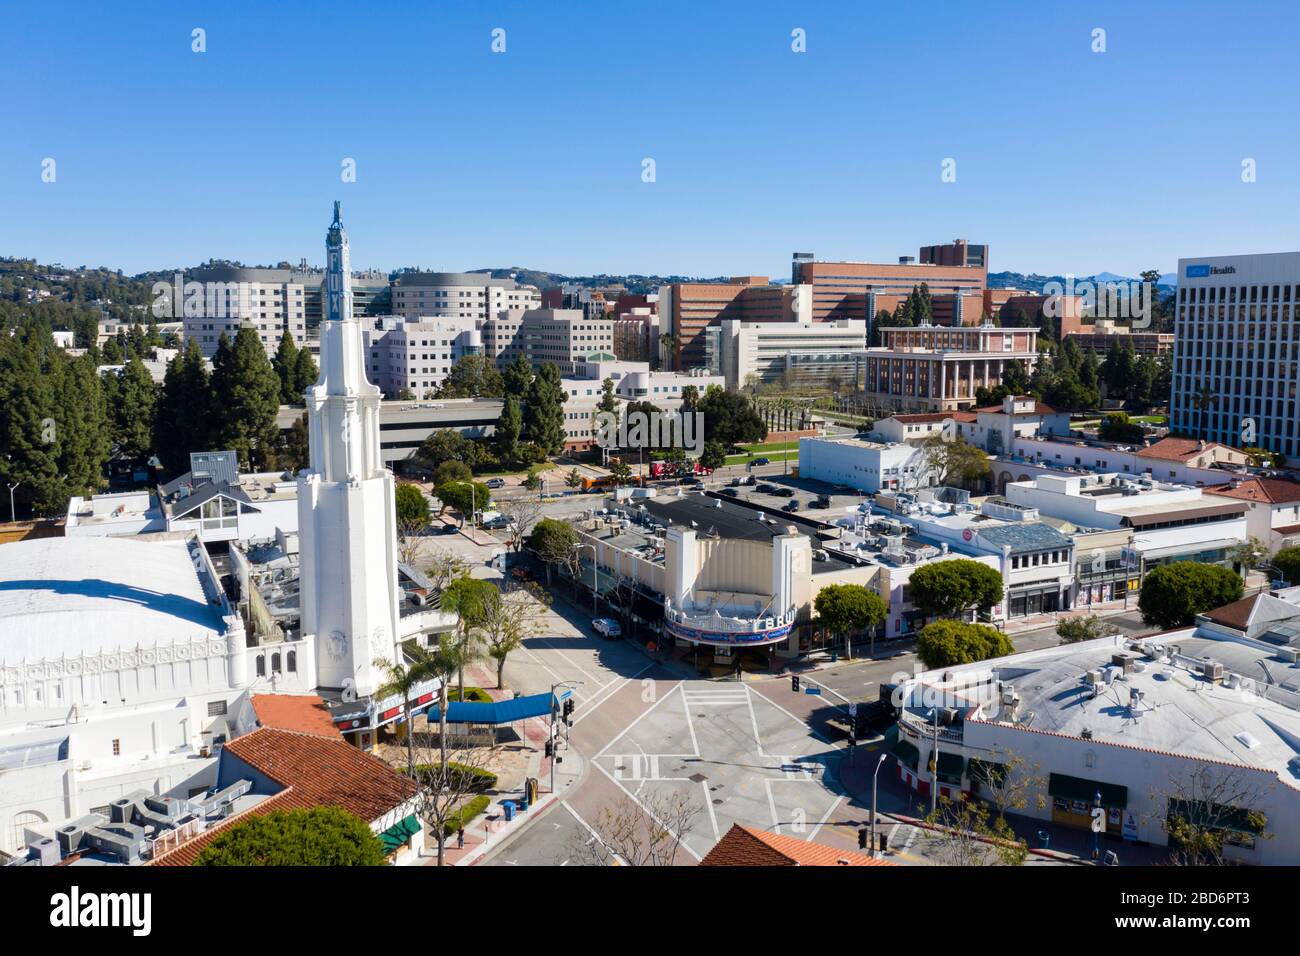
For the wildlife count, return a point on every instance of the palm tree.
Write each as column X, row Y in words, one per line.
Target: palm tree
column 414, row 667
column 443, row 661
column 465, row 598
column 1202, row 400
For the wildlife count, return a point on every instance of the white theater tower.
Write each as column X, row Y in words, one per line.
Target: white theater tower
column 346, row 511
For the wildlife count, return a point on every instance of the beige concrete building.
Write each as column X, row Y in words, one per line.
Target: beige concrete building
column 939, row 368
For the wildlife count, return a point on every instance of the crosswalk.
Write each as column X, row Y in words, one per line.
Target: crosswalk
column 716, row 696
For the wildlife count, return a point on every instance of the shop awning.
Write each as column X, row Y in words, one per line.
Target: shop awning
column 497, row 712
column 906, row 753
column 1076, row 788
column 951, row 766
column 399, row 833
column 1216, row 816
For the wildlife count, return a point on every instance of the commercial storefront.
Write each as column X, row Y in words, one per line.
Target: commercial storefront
column 1073, row 799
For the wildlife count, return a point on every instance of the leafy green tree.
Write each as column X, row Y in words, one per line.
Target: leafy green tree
column 1016, row 378
column 446, row 444
column 1173, row 594
column 544, row 411
column 1118, row 427
column 554, row 542
column 473, row 376
column 844, row 609
column 467, row 497
column 28, row 448
column 1287, row 561
column 285, row 364
column 83, row 436
column 714, row 455
column 950, row 588
column 415, row 665
column 294, row 451
column 949, row 643
column 953, row 461
column 319, row 836
column 247, row 398
column 184, row 415
column 509, row 427
column 305, row 375
column 731, row 418
column 451, row 470
column 1084, row 627
column 468, row 598
column 412, row 508
column 620, row 472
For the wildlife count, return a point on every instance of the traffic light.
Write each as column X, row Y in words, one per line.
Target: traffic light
column 862, row 839
column 794, row 683
column 550, row 748
column 860, row 723
column 568, row 707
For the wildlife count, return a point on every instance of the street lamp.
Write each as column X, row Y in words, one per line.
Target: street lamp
column 12, row 517
column 934, row 775
column 879, row 763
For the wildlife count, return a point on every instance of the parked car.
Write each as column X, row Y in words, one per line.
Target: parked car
column 791, row 506
column 500, row 521
column 784, row 492
column 521, row 573
column 450, row 529
column 730, row 492
column 761, row 461
column 606, row 627
column 495, row 483
column 692, row 482
column 766, row 488
column 822, row 502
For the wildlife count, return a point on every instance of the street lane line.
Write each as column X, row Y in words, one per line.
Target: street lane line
column 825, row 816
column 640, row 717
column 646, row 810
column 753, row 718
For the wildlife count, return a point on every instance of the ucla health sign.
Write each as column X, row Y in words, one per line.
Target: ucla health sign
column 1204, row 271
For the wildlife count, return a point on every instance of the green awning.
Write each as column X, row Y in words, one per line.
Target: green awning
column 399, row 833
column 1216, row 816
column 986, row 771
column 950, row 767
column 1076, row 788
column 906, row 753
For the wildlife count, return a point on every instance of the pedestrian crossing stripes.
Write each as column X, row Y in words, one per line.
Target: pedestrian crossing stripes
column 717, row 696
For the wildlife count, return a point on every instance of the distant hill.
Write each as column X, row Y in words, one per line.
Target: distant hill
column 633, row 282
column 1033, row 282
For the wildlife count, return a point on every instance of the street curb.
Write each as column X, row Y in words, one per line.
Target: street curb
column 523, row 824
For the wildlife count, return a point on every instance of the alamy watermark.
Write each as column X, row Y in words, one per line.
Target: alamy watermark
column 1103, row 300
column 179, row 299
column 637, row 429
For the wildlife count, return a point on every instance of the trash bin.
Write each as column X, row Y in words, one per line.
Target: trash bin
column 835, row 656
column 509, row 807
column 1044, row 839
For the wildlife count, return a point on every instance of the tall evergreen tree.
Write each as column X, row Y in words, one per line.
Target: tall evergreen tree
column 305, row 375
column 83, row 436
column 509, row 427
column 184, row 420
column 133, row 410
column 285, row 364
column 28, row 443
column 246, row 391
column 517, row 377
column 544, row 415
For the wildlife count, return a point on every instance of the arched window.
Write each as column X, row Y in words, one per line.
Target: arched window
column 293, row 662
column 261, row 666
column 275, row 663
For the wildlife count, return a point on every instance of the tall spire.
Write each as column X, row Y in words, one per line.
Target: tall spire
column 338, row 269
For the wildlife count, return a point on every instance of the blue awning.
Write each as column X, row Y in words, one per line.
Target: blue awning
column 497, row 712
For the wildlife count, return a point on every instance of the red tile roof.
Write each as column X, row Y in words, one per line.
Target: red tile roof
column 1273, row 490
column 1039, row 409
column 745, row 846
column 1179, row 449
column 1235, row 615
column 306, row 714
column 315, row 771
column 924, row 418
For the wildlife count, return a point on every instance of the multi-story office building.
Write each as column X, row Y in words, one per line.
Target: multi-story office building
column 938, row 368
column 819, row 352
column 636, row 335
column 959, row 252
column 633, row 382
column 415, row 355
column 1100, row 336
column 859, row 290
column 563, row 336
column 464, row 295
column 1237, row 350
column 687, row 309
column 269, row 300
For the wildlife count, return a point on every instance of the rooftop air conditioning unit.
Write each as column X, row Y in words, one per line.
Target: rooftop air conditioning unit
column 1094, row 676
column 1290, row 655
column 1212, row 670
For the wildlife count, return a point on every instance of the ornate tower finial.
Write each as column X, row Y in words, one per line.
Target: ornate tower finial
column 338, row 213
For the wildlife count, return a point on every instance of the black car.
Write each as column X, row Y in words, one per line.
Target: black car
column 784, row 492
column 691, row 481
column 730, row 492
column 790, row 506
column 822, row 502
column 766, row 488
column 450, row 529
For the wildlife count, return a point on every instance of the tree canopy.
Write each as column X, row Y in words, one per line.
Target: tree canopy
column 948, row 643
column 846, row 608
column 412, row 508
column 948, row 588
column 319, row 836
column 1173, row 594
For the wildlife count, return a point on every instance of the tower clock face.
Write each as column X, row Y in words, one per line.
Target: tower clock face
column 337, row 647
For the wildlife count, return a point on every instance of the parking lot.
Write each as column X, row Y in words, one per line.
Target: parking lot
column 814, row 500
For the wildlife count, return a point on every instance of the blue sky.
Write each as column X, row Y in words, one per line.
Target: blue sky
column 1066, row 160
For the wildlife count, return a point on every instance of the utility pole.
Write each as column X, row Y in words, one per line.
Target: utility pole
column 934, row 776
column 879, row 763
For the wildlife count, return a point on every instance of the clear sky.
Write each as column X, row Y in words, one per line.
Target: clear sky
column 1066, row 160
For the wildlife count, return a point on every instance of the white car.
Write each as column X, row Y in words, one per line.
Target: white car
column 606, row 627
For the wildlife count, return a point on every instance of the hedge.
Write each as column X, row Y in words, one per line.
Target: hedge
column 465, row 815
column 475, row 695
column 483, row 779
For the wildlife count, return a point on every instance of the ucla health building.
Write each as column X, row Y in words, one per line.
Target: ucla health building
column 1237, row 351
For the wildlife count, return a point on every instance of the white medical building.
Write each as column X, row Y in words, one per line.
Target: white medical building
column 1237, row 336
column 868, row 466
column 1202, row 723
column 803, row 351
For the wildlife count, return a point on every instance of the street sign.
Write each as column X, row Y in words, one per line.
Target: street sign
column 853, row 709
column 815, row 691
